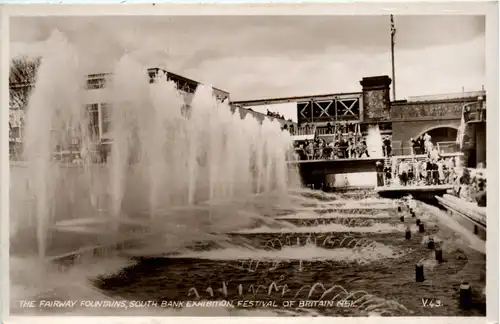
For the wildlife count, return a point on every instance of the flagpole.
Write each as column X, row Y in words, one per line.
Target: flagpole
column 393, row 33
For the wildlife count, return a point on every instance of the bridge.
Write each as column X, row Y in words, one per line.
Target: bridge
column 438, row 115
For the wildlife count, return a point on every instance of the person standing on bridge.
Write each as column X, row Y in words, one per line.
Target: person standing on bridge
column 387, row 148
column 415, row 146
column 403, row 172
column 363, row 149
column 351, row 150
column 440, row 167
column 329, row 128
column 427, row 143
column 310, row 150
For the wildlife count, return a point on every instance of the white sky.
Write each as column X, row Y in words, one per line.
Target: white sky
column 255, row 57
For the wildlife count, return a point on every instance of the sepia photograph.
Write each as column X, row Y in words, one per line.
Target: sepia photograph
column 253, row 165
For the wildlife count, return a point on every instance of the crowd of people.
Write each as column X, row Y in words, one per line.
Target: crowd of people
column 274, row 114
column 426, row 171
column 471, row 186
column 347, row 143
column 435, row 169
column 341, row 147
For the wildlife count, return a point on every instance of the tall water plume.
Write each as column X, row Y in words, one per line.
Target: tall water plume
column 54, row 116
column 159, row 156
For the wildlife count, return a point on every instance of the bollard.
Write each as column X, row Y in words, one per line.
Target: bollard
column 419, row 272
column 408, row 233
column 402, row 218
column 418, row 221
column 421, row 227
column 430, row 244
column 439, row 254
column 465, row 296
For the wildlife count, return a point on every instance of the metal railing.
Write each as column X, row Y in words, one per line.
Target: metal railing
column 328, row 153
column 418, row 178
column 447, row 147
column 301, row 131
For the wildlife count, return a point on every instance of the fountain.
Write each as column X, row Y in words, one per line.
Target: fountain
column 374, row 142
column 159, row 158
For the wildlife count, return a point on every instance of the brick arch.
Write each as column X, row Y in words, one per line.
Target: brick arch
column 402, row 131
column 436, row 127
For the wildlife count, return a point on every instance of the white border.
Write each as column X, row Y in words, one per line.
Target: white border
column 490, row 9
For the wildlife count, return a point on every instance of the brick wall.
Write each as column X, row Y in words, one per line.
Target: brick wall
column 376, row 100
column 449, row 108
column 376, row 105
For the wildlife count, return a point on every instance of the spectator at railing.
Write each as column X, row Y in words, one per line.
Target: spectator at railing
column 363, row 149
column 329, row 128
column 301, row 152
column 428, row 143
column 403, row 169
column 338, row 148
column 417, row 145
column 310, row 150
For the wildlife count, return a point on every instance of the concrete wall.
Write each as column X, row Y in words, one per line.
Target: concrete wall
column 352, row 180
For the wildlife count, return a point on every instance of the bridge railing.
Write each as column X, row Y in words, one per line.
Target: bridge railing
column 417, row 178
column 327, row 153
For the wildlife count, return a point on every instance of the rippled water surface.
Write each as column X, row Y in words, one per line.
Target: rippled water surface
column 344, row 253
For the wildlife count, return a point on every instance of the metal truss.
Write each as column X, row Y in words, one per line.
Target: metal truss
column 336, row 108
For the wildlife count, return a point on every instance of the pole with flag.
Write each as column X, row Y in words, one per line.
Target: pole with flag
column 393, row 35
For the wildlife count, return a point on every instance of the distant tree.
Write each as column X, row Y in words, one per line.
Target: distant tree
column 22, row 78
